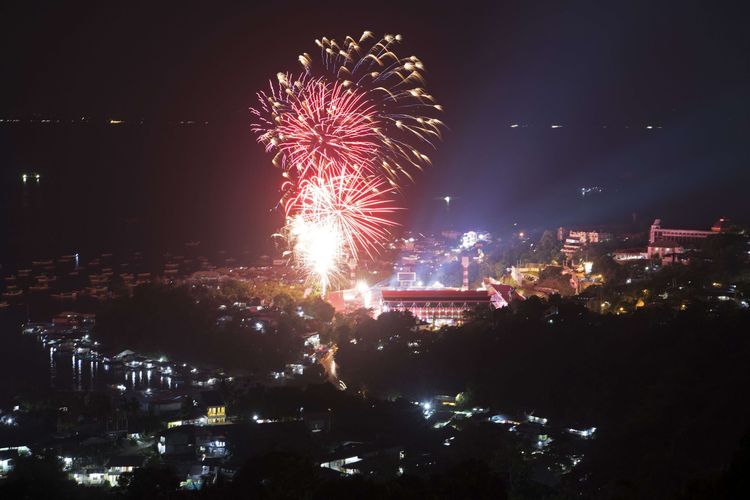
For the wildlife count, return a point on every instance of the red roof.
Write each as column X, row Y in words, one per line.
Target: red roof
column 442, row 295
column 507, row 292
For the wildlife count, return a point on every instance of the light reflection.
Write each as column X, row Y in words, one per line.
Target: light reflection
column 52, row 367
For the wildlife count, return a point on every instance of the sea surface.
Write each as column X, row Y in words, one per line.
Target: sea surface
column 29, row 367
column 151, row 187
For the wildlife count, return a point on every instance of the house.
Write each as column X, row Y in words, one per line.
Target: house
column 122, row 464
column 216, row 407
column 90, row 477
column 196, row 476
column 662, row 247
column 6, row 461
column 629, row 254
column 211, row 442
column 8, row 454
column 178, row 440
column 194, row 442
column 372, row 461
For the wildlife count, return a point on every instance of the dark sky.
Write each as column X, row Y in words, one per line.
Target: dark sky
column 602, row 70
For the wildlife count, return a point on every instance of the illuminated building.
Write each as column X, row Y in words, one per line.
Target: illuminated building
column 662, row 241
column 627, row 254
column 446, row 306
column 216, row 414
column 216, row 408
column 119, row 465
column 471, row 238
column 436, row 307
column 686, row 235
column 575, row 240
column 663, row 247
column 6, row 461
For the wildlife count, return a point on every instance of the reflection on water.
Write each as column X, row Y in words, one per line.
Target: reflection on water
column 97, row 375
column 29, row 366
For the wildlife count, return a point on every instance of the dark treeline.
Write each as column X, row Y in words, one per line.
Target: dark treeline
column 182, row 323
column 289, row 476
column 666, row 392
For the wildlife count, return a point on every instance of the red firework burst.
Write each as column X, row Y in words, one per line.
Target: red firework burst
column 315, row 126
column 354, row 206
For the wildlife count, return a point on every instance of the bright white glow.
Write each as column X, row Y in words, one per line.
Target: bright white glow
column 318, row 243
column 469, row 239
column 364, row 290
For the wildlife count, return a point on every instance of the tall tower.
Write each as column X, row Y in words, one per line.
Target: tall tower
column 655, row 232
column 465, row 265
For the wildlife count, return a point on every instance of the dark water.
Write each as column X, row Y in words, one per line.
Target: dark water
column 23, row 364
column 27, row 366
column 149, row 187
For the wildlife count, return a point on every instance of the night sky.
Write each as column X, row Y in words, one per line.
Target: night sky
column 603, row 72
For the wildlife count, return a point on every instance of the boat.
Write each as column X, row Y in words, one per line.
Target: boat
column 67, row 346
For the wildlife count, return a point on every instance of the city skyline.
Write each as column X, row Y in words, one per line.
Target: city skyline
column 299, row 250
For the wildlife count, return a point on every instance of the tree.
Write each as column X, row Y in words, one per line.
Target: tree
column 318, row 309
column 553, row 277
column 150, row 482
column 284, row 302
column 607, row 267
column 37, row 477
column 277, row 475
column 235, row 291
column 547, row 248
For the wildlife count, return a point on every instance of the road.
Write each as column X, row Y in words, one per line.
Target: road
column 328, row 361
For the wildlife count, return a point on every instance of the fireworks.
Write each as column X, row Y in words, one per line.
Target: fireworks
column 344, row 133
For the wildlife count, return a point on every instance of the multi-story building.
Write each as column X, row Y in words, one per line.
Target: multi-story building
column 662, row 241
column 446, row 306
column 216, row 408
column 576, row 239
column 686, row 235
